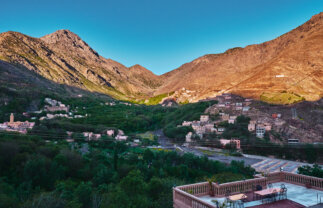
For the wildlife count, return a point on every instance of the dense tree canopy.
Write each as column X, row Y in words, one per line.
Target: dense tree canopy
column 112, row 174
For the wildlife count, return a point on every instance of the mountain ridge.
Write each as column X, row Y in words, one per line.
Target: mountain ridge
column 289, row 63
column 227, row 71
column 65, row 58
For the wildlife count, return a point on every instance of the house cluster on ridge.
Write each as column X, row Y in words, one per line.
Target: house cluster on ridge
column 17, row 126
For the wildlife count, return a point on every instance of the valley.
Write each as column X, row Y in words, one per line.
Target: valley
column 79, row 130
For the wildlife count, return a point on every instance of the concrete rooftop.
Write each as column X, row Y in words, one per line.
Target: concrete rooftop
column 299, row 194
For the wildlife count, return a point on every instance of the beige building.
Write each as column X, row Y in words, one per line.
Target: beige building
column 225, row 117
column 252, row 125
column 204, row 118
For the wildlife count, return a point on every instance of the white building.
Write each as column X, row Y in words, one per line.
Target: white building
column 260, row 130
column 231, row 121
column 121, row 137
column 209, row 127
column 252, row 125
column 204, row 118
column 188, row 137
column 246, row 108
column 187, row 123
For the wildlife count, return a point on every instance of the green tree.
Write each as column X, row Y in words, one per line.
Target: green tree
column 84, row 194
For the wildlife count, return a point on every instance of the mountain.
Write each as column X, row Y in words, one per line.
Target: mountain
column 22, row 89
column 65, row 58
column 284, row 70
column 290, row 64
column 145, row 76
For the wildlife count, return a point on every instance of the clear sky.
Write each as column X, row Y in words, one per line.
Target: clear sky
column 160, row 35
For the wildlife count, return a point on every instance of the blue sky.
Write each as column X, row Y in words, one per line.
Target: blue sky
column 160, row 35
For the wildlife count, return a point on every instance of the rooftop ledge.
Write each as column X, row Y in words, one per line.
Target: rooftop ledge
column 305, row 190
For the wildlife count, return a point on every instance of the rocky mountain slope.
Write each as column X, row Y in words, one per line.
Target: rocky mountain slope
column 292, row 62
column 284, row 70
column 65, row 58
column 22, row 89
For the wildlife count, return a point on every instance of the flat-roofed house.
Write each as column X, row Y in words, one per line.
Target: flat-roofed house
column 121, row 137
column 260, row 130
column 188, row 137
column 187, row 123
column 252, row 125
column 236, row 142
column 110, row 132
column 204, row 118
column 225, row 117
column 267, row 126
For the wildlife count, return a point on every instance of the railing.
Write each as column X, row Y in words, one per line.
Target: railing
column 303, row 180
column 238, row 186
column 275, row 177
column 187, row 196
column 197, row 189
column 181, row 199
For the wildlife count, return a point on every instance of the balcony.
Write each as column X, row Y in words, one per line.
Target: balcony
column 302, row 191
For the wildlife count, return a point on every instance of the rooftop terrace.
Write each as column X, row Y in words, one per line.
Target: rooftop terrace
column 302, row 191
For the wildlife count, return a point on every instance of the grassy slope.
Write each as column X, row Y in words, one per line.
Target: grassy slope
column 281, row 98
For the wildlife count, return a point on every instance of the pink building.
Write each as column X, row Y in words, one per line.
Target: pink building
column 110, row 132
column 267, row 126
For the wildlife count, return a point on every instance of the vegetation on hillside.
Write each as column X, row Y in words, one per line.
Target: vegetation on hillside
column 155, row 100
column 280, row 98
column 132, row 118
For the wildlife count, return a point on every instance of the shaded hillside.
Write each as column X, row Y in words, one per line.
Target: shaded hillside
column 21, row 89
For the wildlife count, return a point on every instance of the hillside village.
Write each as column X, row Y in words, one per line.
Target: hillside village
column 277, row 126
column 16, row 126
column 56, row 109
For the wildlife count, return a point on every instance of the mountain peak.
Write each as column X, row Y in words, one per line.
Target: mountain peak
column 137, row 68
column 65, row 39
column 62, row 36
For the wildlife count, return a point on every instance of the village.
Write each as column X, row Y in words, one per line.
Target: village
column 16, row 126
column 227, row 109
column 56, row 109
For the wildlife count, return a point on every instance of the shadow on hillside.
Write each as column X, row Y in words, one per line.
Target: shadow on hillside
column 17, row 76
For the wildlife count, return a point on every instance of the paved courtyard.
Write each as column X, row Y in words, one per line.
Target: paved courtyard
column 299, row 194
column 273, row 165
